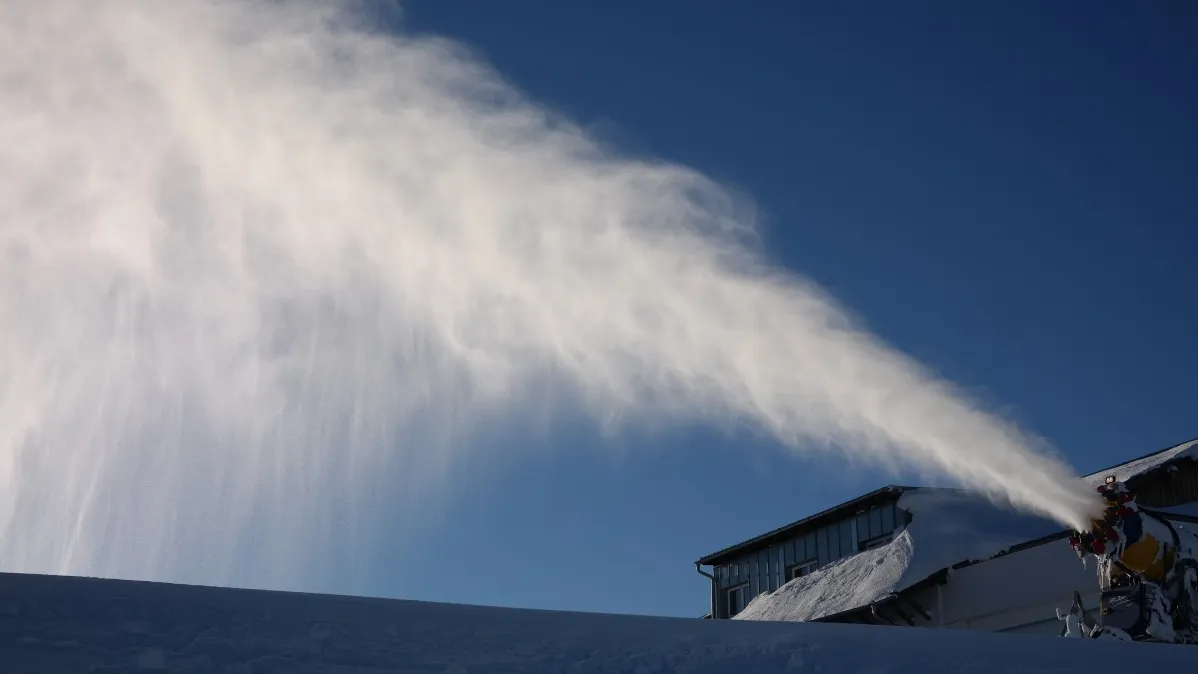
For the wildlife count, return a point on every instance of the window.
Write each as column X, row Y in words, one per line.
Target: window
column 801, row 569
column 888, row 518
column 875, row 522
column 876, row 542
column 736, row 599
column 847, row 544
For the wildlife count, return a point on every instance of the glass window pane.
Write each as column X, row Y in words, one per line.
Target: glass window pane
column 763, row 566
column 771, row 568
column 888, row 519
column 821, row 541
column 875, row 522
column 847, row 544
column 833, row 543
column 753, row 575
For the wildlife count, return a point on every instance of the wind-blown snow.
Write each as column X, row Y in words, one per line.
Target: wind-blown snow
column 947, row 526
column 56, row 625
column 260, row 261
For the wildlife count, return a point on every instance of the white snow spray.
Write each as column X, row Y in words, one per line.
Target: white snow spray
column 260, row 261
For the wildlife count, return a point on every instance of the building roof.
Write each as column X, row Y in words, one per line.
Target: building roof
column 1124, row 471
column 877, row 497
column 950, row 528
column 1148, row 463
column 943, row 532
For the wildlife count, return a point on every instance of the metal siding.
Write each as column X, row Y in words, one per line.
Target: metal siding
column 810, row 543
column 887, row 518
column 875, row 522
column 863, row 526
column 833, row 542
column 788, row 554
column 821, row 542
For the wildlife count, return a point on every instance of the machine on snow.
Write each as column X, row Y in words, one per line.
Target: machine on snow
column 1147, row 570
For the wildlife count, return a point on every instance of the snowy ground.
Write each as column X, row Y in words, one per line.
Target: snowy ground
column 50, row 625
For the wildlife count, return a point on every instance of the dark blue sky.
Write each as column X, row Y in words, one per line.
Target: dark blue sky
column 1006, row 190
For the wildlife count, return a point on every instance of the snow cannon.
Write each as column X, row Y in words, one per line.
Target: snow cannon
column 1148, row 574
column 1142, row 546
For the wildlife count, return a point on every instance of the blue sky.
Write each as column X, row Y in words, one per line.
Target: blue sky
column 1005, row 190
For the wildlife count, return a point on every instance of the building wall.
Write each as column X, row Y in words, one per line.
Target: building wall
column 1173, row 486
column 1015, row 593
column 1018, row 592
column 766, row 570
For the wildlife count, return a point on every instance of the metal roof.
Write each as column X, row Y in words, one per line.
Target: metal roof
column 885, row 494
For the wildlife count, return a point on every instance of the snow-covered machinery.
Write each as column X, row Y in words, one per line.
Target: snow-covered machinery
column 1147, row 570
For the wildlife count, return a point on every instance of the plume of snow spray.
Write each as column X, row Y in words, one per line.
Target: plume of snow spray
column 252, row 252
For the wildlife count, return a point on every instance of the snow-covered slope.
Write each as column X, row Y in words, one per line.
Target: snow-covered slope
column 948, row 526
column 58, row 625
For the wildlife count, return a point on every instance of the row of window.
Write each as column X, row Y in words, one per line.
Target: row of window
column 766, row 570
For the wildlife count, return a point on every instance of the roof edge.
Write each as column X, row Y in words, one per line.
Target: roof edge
column 759, row 540
column 1108, row 469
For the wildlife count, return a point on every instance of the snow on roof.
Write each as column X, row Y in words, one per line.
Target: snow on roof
column 1125, row 471
column 944, row 531
column 852, row 582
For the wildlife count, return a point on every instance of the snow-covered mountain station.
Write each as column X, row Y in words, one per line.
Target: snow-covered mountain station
column 930, row 557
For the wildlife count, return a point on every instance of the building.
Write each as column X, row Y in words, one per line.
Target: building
column 932, row 557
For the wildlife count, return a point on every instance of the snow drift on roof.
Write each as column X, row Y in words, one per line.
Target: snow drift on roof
column 1124, row 472
column 854, row 581
column 948, row 526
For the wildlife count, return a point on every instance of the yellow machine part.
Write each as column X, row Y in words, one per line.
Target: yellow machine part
column 1145, row 558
